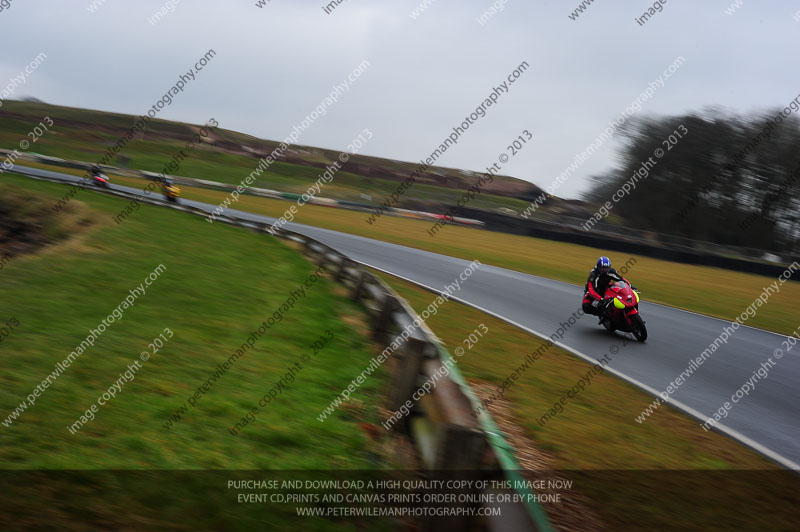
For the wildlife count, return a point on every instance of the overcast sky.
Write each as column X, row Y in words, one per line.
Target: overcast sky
column 275, row 64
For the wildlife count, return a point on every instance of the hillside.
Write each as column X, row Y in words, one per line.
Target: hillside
column 229, row 156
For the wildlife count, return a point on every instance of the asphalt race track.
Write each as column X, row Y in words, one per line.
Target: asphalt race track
column 768, row 419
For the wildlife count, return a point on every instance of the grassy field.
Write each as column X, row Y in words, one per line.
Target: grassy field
column 84, row 135
column 713, row 291
column 219, row 283
column 635, row 476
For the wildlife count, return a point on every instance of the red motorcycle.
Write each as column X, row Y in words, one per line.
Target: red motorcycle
column 622, row 310
column 101, row 180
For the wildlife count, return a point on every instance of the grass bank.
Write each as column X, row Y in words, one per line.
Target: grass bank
column 217, row 286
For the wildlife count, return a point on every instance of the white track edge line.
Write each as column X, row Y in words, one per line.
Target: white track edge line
column 782, row 460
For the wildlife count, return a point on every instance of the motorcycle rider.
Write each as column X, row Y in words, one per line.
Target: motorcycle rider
column 96, row 174
column 600, row 277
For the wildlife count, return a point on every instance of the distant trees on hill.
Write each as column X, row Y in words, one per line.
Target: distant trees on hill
column 730, row 179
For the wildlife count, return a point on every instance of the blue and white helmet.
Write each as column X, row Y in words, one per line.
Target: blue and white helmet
column 603, row 264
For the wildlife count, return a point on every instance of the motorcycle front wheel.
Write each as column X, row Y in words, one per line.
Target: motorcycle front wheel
column 638, row 328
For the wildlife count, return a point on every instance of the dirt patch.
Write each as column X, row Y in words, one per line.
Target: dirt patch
column 574, row 512
column 28, row 222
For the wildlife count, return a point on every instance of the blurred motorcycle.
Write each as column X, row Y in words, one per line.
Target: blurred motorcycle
column 171, row 191
column 621, row 310
column 100, row 179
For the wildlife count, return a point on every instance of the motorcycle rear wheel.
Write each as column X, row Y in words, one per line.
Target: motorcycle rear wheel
column 638, row 328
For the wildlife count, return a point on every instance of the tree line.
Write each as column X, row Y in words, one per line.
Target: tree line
column 731, row 179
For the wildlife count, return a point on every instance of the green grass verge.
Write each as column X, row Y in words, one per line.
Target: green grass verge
column 220, row 283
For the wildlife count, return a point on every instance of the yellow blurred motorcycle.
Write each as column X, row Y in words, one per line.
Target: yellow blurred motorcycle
column 171, row 191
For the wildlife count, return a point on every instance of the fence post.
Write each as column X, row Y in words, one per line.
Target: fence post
column 341, row 271
column 361, row 276
column 322, row 258
column 460, row 448
column 383, row 321
column 406, row 370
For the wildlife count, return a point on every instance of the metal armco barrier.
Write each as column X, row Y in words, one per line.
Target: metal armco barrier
column 446, row 436
column 250, row 191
